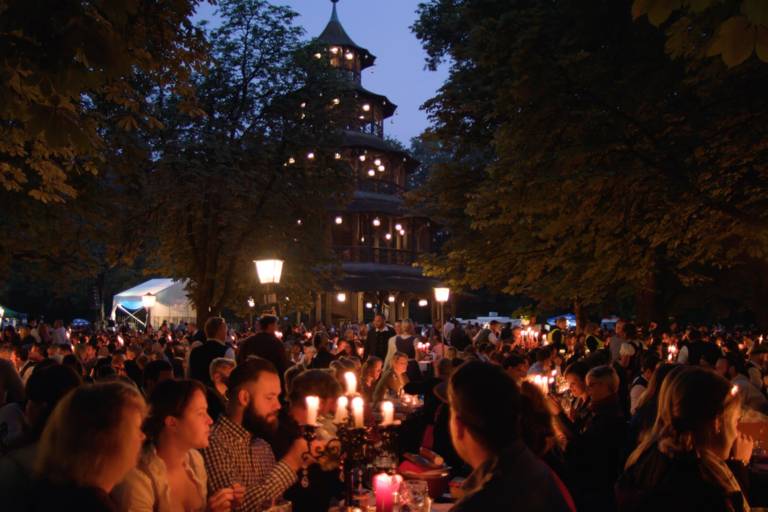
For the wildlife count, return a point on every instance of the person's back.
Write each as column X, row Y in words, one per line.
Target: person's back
column 485, row 431
column 515, row 480
column 266, row 346
column 200, row 360
column 595, row 456
column 661, row 483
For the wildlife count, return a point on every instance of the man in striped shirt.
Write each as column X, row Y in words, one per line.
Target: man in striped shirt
column 236, row 454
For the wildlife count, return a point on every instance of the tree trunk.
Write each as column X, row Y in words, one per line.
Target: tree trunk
column 647, row 303
column 581, row 316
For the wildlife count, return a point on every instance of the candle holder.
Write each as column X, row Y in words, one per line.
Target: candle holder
column 354, row 448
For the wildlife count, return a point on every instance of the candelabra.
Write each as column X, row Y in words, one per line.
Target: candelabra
column 354, row 448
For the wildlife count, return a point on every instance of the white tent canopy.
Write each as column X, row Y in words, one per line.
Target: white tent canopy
column 172, row 304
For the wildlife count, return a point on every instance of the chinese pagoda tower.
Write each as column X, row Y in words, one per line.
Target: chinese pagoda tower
column 375, row 237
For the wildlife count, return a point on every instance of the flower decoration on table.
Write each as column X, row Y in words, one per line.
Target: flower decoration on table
column 357, row 449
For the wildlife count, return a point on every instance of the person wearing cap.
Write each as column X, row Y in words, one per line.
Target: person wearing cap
column 756, row 365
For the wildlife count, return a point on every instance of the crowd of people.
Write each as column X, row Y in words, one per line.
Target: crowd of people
column 182, row 418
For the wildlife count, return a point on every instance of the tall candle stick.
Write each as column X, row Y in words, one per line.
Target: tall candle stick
column 387, row 413
column 357, row 411
column 351, row 383
column 313, row 402
column 341, row 410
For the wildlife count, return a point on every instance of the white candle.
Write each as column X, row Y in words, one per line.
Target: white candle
column 313, row 403
column 351, row 383
column 341, row 410
column 357, row 411
column 387, row 413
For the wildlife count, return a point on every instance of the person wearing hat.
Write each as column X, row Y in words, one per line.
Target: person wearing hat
column 756, row 365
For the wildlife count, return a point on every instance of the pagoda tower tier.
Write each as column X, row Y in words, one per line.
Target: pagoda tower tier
column 375, row 236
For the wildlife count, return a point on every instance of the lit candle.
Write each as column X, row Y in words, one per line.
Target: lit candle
column 351, row 383
column 385, row 486
column 387, row 413
column 313, row 402
column 357, row 411
column 341, row 410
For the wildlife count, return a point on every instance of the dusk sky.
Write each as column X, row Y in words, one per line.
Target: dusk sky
column 381, row 26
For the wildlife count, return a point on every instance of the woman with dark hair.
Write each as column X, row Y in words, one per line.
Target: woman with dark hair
column 171, row 473
column 681, row 463
column 573, row 414
column 369, row 376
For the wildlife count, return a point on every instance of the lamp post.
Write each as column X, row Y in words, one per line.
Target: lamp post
column 251, row 305
column 269, row 272
column 441, row 296
column 148, row 300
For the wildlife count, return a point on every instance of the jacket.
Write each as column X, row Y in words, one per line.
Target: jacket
column 514, row 480
column 664, row 484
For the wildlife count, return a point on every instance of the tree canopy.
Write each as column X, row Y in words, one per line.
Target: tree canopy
column 587, row 165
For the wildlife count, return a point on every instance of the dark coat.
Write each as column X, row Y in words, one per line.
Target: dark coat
column 595, row 457
column 270, row 348
column 377, row 342
column 660, row 483
column 200, row 360
column 515, row 480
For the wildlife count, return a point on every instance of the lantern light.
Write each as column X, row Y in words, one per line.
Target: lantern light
column 291, row 160
column 376, row 222
column 148, row 300
column 391, row 298
column 366, row 108
column 388, row 236
column 349, row 56
column 339, row 220
column 337, row 156
column 361, row 118
column 362, row 158
column 334, row 50
column 311, row 155
column 399, row 226
column 336, row 101
column 299, row 222
column 423, row 303
column 377, row 161
column 341, row 297
column 371, row 172
column 442, row 294
column 382, row 168
column 303, row 104
column 269, row 271
column 251, row 302
column 318, row 55
column 368, row 305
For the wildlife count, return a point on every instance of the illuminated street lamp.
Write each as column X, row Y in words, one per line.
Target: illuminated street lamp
column 441, row 296
column 251, row 305
column 148, row 301
column 269, row 272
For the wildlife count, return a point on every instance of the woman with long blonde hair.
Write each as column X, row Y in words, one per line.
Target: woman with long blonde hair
column 91, row 441
column 686, row 460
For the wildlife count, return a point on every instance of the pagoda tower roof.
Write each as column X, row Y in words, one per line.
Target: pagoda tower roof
column 335, row 35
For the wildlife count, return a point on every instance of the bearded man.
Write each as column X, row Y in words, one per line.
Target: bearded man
column 237, row 451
